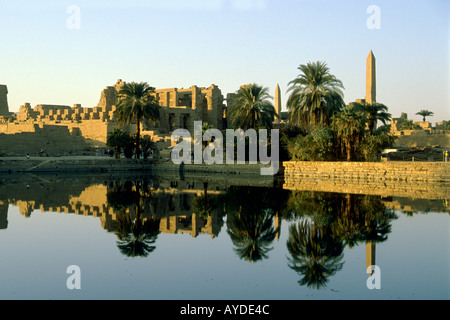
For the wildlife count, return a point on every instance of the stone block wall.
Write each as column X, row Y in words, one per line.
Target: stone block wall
column 398, row 170
column 429, row 180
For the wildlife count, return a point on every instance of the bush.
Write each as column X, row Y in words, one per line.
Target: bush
column 319, row 145
column 322, row 145
column 120, row 140
column 372, row 145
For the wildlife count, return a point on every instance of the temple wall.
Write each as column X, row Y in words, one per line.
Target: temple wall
column 179, row 108
column 31, row 138
column 414, row 138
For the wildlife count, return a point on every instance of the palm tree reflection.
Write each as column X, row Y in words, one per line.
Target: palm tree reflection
column 316, row 254
column 250, row 220
column 202, row 205
column 252, row 233
column 136, row 234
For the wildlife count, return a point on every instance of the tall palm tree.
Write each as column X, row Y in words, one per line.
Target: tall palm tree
column 251, row 108
column 349, row 127
column 374, row 112
column 425, row 113
column 136, row 103
column 315, row 95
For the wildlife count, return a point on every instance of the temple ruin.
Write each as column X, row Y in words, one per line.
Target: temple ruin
column 179, row 108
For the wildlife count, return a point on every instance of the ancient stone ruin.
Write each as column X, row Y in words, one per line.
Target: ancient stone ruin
column 179, row 109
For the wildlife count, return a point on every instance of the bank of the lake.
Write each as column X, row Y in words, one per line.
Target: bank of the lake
column 94, row 164
column 419, row 180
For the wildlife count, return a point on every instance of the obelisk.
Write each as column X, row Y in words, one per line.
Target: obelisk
column 371, row 84
column 277, row 103
column 4, row 110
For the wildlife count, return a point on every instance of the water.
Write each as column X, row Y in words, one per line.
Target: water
column 247, row 240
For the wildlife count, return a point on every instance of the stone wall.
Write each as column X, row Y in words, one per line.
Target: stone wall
column 426, row 180
column 421, row 138
column 31, row 138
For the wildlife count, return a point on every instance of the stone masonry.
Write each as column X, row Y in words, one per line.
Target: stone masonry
column 408, row 179
column 179, row 108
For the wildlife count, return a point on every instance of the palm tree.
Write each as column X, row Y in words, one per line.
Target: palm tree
column 349, row 128
column 136, row 103
column 147, row 144
column 251, row 108
column 409, row 125
column 316, row 95
column 374, row 112
column 424, row 114
column 118, row 140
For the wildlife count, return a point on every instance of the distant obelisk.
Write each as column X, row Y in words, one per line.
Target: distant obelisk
column 371, row 84
column 277, row 103
column 4, row 110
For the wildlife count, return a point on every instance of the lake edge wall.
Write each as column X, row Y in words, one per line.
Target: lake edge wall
column 404, row 179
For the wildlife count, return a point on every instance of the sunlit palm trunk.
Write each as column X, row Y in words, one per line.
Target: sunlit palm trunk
column 314, row 120
column 349, row 151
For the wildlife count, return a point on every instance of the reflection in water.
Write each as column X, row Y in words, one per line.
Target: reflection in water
column 251, row 214
column 137, row 210
column 136, row 235
column 316, row 254
column 329, row 223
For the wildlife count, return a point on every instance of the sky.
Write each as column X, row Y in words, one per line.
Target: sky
column 66, row 52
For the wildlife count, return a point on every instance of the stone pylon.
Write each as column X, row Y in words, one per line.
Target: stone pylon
column 4, row 109
column 371, row 84
column 277, row 102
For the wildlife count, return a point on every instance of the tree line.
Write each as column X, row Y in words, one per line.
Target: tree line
column 321, row 126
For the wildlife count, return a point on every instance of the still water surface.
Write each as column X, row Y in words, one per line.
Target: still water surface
column 198, row 238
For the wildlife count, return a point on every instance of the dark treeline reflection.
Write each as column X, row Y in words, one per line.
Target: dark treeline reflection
column 320, row 225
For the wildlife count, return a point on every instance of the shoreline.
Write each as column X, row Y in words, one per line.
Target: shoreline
column 98, row 164
column 404, row 179
column 433, row 172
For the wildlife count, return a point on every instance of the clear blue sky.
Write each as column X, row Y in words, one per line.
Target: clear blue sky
column 180, row 43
